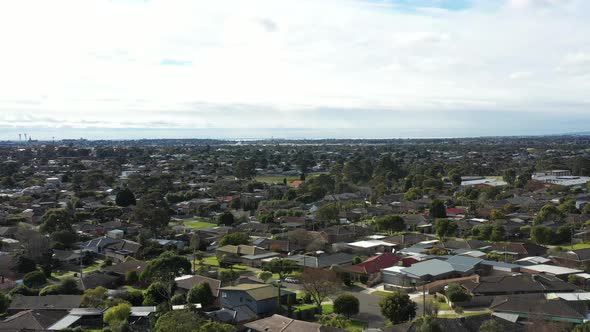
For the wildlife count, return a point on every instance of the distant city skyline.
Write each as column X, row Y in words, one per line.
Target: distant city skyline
column 293, row 68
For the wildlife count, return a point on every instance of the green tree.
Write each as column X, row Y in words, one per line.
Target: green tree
column 584, row 327
column 34, row 279
column 195, row 244
column 178, row 321
column 281, row 266
column 568, row 206
column 397, row 307
column 125, row 198
column 438, row 209
column 202, row 294
column 235, row 239
column 509, row 176
column 94, row 297
column 56, row 220
column 498, row 233
column 156, row 293
column 164, row 269
column 328, row 212
column 245, row 169
column 548, row 212
column 456, row 293
column 152, row 212
column 64, row 239
column 445, row 227
column 347, row 305
column 67, row 286
column 212, row 326
column 117, row 315
column 542, row 235
column 264, row 275
column 227, row 218
column 4, row 303
column 228, row 275
column 391, row 223
column 455, row 178
column 412, row 194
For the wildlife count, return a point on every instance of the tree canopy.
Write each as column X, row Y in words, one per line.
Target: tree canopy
column 397, row 307
column 347, row 305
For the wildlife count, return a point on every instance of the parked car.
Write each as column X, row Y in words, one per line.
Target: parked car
column 291, row 280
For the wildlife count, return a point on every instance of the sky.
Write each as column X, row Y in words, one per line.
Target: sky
column 293, row 68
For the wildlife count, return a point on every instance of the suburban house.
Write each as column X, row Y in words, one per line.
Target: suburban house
column 572, row 258
column 518, row 250
column 323, row 260
column 115, row 248
column 123, row 268
column 430, row 270
column 278, row 323
column 517, row 284
column 185, row 283
column 32, row 320
column 371, row 247
column 231, row 253
column 370, row 268
column 48, row 302
column 260, row 299
column 539, row 308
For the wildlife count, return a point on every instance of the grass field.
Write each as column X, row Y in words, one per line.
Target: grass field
column 275, row 179
column 199, row 224
column 279, row 178
column 381, row 293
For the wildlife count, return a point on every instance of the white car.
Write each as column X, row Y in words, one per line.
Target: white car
column 292, row 280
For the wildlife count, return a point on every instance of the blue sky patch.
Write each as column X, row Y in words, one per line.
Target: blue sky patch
column 175, row 62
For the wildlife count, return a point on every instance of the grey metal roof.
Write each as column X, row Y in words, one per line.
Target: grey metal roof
column 463, row 263
column 65, row 322
column 431, row 267
column 261, row 256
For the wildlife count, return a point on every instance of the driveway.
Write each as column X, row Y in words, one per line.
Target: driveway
column 369, row 309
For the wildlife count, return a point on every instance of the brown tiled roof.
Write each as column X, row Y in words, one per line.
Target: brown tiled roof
column 188, row 283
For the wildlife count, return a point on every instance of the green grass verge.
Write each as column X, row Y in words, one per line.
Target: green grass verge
column 381, row 293
column 211, row 261
column 465, row 314
column 199, row 224
column 444, row 306
column 275, row 179
column 577, row 246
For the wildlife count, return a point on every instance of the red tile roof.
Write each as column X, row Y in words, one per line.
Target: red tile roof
column 455, row 211
column 375, row 264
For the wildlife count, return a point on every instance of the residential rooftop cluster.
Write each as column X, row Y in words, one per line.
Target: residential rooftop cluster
column 488, row 234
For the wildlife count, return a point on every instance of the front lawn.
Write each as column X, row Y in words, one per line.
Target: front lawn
column 381, row 293
column 212, row 260
column 465, row 314
column 577, row 246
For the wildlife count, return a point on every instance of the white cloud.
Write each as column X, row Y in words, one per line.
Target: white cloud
column 194, row 63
